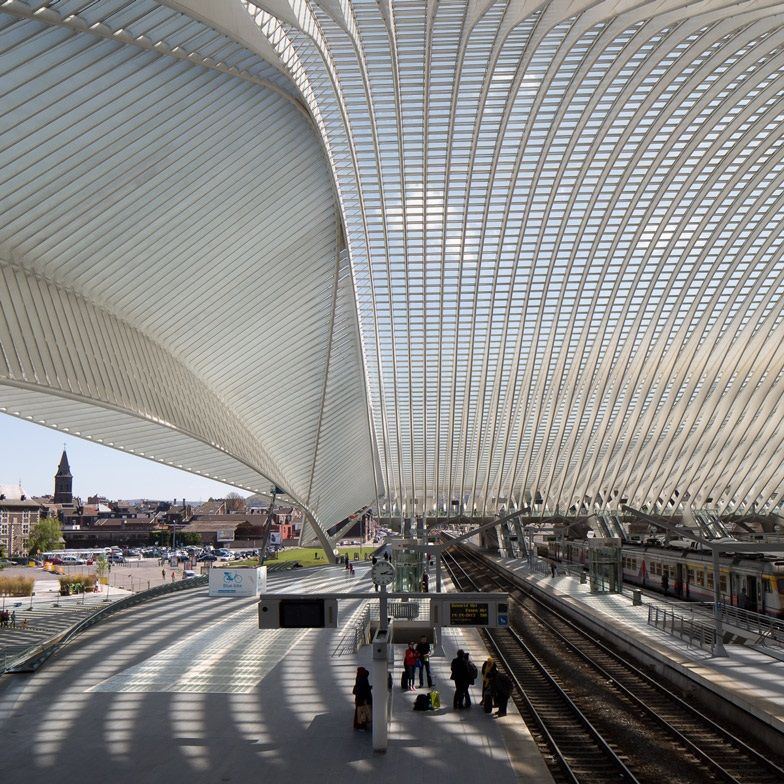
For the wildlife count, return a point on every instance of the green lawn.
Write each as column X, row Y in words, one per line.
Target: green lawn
column 312, row 556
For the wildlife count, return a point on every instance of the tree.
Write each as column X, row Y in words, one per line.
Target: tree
column 46, row 535
column 234, row 503
column 189, row 537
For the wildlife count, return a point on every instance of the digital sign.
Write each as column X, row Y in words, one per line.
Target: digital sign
column 302, row 614
column 470, row 609
column 298, row 612
column 469, row 614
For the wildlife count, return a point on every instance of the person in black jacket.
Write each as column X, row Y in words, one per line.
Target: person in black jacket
column 363, row 699
column 462, row 679
column 500, row 689
column 423, row 661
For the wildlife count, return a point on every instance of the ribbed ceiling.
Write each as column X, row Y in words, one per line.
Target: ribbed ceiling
column 172, row 252
column 565, row 224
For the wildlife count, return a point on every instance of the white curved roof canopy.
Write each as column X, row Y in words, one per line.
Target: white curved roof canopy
column 565, row 224
column 171, row 252
column 563, row 227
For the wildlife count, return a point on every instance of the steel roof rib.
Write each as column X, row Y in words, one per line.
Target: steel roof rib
column 156, row 215
column 513, row 253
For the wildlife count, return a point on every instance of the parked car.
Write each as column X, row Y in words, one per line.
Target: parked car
column 207, row 557
column 116, row 558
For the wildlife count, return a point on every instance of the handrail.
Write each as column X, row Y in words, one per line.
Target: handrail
column 662, row 616
column 32, row 658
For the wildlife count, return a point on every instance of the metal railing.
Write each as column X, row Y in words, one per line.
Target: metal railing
column 30, row 659
column 688, row 628
column 356, row 634
column 760, row 629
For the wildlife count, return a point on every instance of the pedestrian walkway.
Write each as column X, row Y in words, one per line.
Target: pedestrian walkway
column 187, row 689
column 44, row 615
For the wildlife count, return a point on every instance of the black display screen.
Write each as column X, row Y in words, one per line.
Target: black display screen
column 469, row 614
column 302, row 614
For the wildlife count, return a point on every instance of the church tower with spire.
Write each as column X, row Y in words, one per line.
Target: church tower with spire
column 63, row 482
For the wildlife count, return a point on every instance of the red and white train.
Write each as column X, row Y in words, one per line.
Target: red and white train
column 752, row 582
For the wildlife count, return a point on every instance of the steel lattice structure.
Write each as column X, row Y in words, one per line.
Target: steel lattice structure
column 513, row 253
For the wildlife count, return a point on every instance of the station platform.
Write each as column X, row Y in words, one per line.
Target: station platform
column 748, row 677
column 188, row 689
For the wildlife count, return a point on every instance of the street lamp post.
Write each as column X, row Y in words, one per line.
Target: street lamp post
column 265, row 532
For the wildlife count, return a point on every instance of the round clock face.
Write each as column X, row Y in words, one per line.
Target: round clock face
column 383, row 573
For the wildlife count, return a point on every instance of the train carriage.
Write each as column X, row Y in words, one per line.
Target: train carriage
column 749, row 582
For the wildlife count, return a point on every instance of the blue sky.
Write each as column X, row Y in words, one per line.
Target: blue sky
column 32, row 453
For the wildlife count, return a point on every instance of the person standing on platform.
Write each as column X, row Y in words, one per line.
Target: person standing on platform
column 410, row 659
column 423, row 662
column 552, row 569
column 425, row 582
column 501, row 688
column 488, row 670
column 472, row 675
column 461, row 678
column 363, row 700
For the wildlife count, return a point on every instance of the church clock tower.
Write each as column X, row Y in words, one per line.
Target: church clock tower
column 63, row 482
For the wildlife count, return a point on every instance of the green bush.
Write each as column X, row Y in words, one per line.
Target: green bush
column 16, row 586
column 77, row 583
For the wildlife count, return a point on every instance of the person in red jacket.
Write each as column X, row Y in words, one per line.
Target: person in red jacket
column 410, row 662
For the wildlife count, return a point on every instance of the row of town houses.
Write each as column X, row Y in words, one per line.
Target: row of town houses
column 231, row 521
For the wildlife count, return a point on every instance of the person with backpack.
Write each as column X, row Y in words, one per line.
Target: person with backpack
column 462, row 679
column 410, row 659
column 363, row 700
column 501, row 689
column 472, row 676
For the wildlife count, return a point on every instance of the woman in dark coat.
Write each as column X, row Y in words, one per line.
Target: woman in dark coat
column 363, row 699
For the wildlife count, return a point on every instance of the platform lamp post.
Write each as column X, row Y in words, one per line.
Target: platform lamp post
column 718, row 647
column 276, row 491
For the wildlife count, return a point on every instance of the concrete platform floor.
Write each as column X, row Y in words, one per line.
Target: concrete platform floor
column 188, row 689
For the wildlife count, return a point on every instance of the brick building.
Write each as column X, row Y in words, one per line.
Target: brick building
column 17, row 518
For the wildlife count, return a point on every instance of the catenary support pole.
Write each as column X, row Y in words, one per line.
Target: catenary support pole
column 718, row 647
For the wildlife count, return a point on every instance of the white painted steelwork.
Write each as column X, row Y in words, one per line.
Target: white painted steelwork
column 555, row 226
column 174, row 278
column 564, row 220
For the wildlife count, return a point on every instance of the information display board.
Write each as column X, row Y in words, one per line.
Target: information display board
column 298, row 612
column 469, row 613
column 490, row 610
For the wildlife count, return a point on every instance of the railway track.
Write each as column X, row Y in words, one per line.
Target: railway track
column 621, row 725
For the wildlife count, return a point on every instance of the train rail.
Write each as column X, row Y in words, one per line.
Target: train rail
column 653, row 734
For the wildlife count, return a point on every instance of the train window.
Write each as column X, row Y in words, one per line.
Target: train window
column 723, row 584
column 768, row 589
column 710, row 580
column 700, row 577
column 781, row 584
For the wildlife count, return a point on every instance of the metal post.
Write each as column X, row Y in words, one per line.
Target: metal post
column 718, row 647
column 438, row 571
column 380, row 677
column 265, row 531
column 382, row 609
